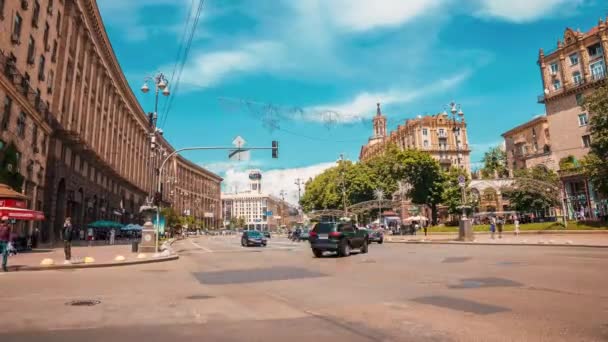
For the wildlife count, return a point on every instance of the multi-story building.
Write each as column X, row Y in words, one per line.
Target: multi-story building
column 259, row 210
column 84, row 143
column 443, row 137
column 570, row 73
column 529, row 144
column 29, row 63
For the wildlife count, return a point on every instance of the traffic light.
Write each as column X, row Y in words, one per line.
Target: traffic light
column 275, row 149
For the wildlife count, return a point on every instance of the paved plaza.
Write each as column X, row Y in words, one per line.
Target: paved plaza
column 220, row 291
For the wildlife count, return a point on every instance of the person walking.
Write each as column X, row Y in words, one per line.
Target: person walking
column 493, row 226
column 425, row 224
column 67, row 240
column 500, row 224
column 5, row 233
column 112, row 236
column 516, row 222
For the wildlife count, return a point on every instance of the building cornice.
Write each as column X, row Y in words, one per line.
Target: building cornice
column 525, row 125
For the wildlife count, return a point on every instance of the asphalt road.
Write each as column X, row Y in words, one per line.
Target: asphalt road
column 220, row 291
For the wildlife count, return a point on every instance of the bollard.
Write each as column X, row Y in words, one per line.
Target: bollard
column 119, row 258
column 89, row 260
column 141, row 256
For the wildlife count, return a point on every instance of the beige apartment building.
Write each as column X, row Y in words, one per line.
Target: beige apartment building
column 443, row 137
column 569, row 73
column 529, row 144
column 85, row 147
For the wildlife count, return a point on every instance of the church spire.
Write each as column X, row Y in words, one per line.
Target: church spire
column 378, row 111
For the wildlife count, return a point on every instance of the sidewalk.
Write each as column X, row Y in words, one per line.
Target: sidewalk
column 544, row 239
column 83, row 257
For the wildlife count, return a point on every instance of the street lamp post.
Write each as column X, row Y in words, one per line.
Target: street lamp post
column 457, row 121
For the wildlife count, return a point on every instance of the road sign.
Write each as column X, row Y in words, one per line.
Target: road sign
column 238, row 141
column 462, row 181
column 238, row 154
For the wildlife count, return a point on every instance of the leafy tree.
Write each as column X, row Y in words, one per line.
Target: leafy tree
column 568, row 163
column 424, row 174
column 240, row 222
column 495, row 162
column 534, row 189
column 233, row 222
column 171, row 218
column 452, row 193
column 9, row 174
column 595, row 165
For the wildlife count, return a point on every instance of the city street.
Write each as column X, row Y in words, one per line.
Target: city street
column 220, row 291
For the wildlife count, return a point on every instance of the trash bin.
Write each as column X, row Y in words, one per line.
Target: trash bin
column 134, row 246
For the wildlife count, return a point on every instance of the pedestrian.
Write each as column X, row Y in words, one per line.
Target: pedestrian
column 425, row 225
column 112, row 236
column 81, row 234
column 67, row 240
column 5, row 233
column 492, row 226
column 500, row 224
column 516, row 222
column 416, row 227
column 90, row 236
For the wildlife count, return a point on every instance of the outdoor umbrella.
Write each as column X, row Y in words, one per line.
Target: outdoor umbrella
column 104, row 224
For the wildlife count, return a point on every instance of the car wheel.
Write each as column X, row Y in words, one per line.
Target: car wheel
column 344, row 249
column 364, row 247
column 318, row 253
column 263, row 245
column 381, row 241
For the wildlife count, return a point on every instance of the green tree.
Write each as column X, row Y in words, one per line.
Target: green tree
column 452, row 193
column 595, row 165
column 240, row 222
column 9, row 173
column 424, row 174
column 534, row 189
column 233, row 222
column 495, row 162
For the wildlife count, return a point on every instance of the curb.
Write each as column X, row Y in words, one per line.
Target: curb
column 495, row 244
column 16, row 268
column 527, row 232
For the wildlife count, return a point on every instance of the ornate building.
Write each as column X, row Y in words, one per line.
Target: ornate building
column 63, row 87
column 569, row 73
column 529, row 144
column 443, row 137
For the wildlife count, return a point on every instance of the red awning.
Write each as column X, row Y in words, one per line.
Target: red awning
column 21, row 214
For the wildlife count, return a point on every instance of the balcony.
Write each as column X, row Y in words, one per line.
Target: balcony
column 598, row 76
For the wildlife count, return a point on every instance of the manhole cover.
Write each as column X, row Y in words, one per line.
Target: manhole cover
column 194, row 297
column 89, row 302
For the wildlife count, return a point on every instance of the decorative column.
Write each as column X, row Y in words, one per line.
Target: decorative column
column 562, row 70
column 544, row 74
column 604, row 41
column 584, row 59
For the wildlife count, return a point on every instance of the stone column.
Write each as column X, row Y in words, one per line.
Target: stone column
column 584, row 60
column 604, row 41
column 562, row 70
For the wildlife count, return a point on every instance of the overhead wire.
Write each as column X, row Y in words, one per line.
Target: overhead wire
column 182, row 62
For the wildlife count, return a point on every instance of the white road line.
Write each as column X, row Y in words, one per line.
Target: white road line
column 201, row 247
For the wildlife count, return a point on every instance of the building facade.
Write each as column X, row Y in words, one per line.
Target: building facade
column 570, row 73
column 84, row 142
column 528, row 145
column 29, row 62
column 260, row 211
column 443, row 137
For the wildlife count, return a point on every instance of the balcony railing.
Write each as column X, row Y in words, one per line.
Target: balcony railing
column 14, row 76
column 598, row 76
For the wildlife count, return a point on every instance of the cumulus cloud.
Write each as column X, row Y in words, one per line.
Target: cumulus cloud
column 273, row 181
column 523, row 10
column 363, row 105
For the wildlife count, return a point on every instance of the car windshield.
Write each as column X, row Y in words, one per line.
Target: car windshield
column 323, row 228
column 254, row 233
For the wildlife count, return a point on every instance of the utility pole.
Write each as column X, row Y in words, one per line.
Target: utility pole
column 299, row 183
column 341, row 160
column 282, row 205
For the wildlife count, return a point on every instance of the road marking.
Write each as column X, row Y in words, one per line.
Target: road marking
column 201, row 247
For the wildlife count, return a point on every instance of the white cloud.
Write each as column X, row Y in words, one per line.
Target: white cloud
column 363, row 105
column 364, row 15
column 208, row 69
column 273, row 181
column 221, row 167
column 523, row 10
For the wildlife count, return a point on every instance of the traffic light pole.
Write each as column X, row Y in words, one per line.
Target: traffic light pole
column 274, row 148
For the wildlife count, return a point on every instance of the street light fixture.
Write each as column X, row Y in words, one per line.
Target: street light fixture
column 457, row 122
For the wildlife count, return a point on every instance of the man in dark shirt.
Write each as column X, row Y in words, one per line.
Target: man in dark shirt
column 67, row 240
column 5, row 233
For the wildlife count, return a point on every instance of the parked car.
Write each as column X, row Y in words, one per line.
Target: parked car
column 375, row 235
column 305, row 235
column 253, row 238
column 339, row 237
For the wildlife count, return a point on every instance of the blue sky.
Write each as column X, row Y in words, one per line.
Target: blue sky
column 309, row 72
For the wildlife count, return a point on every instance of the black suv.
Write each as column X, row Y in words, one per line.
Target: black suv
column 340, row 237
